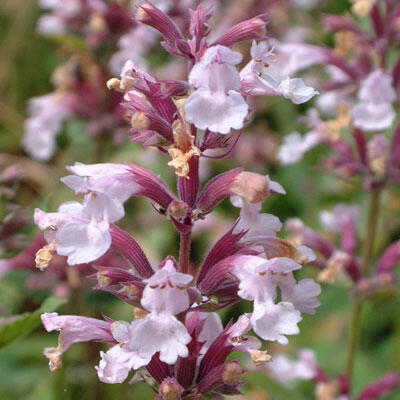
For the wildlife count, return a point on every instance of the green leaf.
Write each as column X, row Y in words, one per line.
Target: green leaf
column 23, row 324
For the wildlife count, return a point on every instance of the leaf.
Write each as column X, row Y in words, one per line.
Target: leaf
column 23, row 324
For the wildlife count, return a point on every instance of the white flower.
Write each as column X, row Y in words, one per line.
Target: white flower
column 295, row 145
column 287, row 371
column 265, row 74
column 258, row 281
column 217, row 104
column 341, row 216
column 256, row 224
column 76, row 234
column 117, row 362
column 296, row 90
column 107, row 187
column 46, row 116
column 273, row 321
column 165, row 295
column 375, row 111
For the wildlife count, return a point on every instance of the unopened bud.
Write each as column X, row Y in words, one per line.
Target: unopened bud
column 141, row 14
column 250, row 186
column 44, row 256
column 260, row 357
column 170, row 389
column 232, row 373
column 253, row 28
column 177, row 209
column 140, row 121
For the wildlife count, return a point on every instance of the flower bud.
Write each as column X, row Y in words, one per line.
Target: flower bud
column 253, row 28
column 382, row 387
column 250, row 186
column 232, row 373
column 150, row 15
column 177, row 209
column 170, row 389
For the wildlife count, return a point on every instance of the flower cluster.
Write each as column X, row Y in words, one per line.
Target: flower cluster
column 79, row 89
column 342, row 261
column 177, row 341
column 356, row 107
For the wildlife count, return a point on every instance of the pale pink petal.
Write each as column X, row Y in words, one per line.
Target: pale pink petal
column 295, row 146
column 216, row 111
column 296, row 90
column 83, row 242
column 371, row 116
column 165, row 291
column 117, row 362
column 160, row 333
column 273, row 321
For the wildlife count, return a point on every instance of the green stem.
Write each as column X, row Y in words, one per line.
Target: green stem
column 372, row 220
column 355, row 323
column 354, row 335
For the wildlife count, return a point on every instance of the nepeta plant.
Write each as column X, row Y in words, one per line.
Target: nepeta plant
column 177, row 342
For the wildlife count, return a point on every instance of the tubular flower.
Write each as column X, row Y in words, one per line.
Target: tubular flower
column 216, row 104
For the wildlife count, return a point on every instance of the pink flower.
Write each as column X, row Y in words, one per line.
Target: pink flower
column 216, row 104
column 258, row 280
column 273, row 321
column 212, row 327
column 237, row 336
column 303, row 295
column 341, row 216
column 287, row 371
column 107, row 187
column 46, row 116
column 73, row 329
column 117, row 362
column 164, row 296
column 256, row 224
column 375, row 111
column 295, row 145
column 75, row 231
column 260, row 77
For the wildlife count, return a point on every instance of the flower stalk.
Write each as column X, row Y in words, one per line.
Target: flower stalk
column 355, row 322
